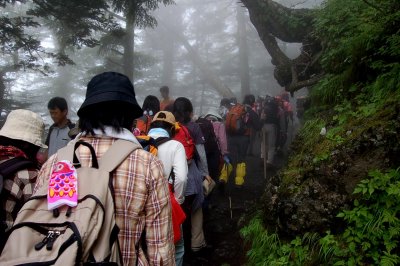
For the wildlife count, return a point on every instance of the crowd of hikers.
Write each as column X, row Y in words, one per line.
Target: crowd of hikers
column 125, row 184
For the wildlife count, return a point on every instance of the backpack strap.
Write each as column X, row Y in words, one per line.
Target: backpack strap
column 12, row 166
column 161, row 140
column 110, row 160
column 116, row 154
column 66, row 153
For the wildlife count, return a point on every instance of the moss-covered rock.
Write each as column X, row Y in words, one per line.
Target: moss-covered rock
column 323, row 171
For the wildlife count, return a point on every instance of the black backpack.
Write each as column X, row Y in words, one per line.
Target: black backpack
column 211, row 144
column 271, row 110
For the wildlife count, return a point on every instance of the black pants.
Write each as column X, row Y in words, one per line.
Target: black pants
column 237, row 147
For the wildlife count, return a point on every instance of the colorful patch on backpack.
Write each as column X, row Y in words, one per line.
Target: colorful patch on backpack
column 63, row 186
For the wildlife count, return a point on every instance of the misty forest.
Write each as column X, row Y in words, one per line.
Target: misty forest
column 335, row 199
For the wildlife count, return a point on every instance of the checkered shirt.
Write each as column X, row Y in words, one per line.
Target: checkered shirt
column 17, row 188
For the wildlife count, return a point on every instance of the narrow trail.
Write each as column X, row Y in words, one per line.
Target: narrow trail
column 221, row 219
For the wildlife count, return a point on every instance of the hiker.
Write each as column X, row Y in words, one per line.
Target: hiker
column 151, row 106
column 166, row 100
column 58, row 131
column 271, row 115
column 172, row 155
column 250, row 100
column 143, row 211
column 198, row 172
column 285, row 115
column 224, row 107
column 20, row 137
column 220, row 134
column 240, row 121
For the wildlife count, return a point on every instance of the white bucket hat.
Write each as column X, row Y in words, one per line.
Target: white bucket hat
column 24, row 125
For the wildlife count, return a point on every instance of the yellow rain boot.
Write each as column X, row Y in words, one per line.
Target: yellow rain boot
column 225, row 173
column 240, row 174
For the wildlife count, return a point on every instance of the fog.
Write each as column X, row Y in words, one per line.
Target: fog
column 194, row 42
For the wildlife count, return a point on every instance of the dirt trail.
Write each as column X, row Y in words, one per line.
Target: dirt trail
column 221, row 218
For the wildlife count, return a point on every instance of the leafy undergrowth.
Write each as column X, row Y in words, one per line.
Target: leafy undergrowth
column 371, row 236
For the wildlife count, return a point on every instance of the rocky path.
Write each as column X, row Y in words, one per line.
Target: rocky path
column 221, row 219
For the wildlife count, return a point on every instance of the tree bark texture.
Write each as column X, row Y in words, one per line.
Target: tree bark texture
column 129, row 48
column 274, row 21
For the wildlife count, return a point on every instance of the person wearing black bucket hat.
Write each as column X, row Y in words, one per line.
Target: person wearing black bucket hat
column 143, row 211
column 110, row 87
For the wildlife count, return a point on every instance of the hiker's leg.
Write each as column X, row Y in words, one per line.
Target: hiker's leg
column 242, row 145
column 271, row 142
column 186, row 227
column 198, row 240
column 213, row 161
column 179, row 250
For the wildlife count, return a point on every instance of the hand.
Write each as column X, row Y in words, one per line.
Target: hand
column 208, row 178
column 226, row 159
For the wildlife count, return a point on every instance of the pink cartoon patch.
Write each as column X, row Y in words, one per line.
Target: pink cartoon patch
column 63, row 186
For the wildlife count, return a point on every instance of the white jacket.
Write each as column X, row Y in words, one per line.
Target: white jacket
column 172, row 155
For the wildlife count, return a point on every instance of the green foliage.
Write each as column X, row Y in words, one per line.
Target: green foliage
column 361, row 49
column 373, row 232
column 267, row 249
column 371, row 237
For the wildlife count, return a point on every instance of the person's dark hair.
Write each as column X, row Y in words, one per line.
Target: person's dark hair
column 57, row 102
column 183, row 109
column 164, row 88
column 152, row 103
column 233, row 100
column 249, row 99
column 116, row 114
column 28, row 148
column 225, row 102
column 164, row 125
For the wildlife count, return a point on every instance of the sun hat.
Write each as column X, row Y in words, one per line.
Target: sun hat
column 109, row 87
column 164, row 116
column 24, row 125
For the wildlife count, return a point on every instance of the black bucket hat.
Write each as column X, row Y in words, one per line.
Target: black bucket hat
column 108, row 87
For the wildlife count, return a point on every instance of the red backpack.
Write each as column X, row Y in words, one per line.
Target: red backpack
column 183, row 136
column 235, row 120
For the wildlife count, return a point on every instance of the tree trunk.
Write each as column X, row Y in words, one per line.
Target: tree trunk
column 129, row 48
column 168, row 62
column 243, row 51
column 2, row 89
column 272, row 21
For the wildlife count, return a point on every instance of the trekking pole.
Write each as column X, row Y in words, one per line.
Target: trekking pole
column 230, row 206
column 264, row 143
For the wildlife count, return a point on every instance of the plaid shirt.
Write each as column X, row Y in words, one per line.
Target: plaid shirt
column 17, row 189
column 141, row 199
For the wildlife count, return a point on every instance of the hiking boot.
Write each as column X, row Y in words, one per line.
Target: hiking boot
column 240, row 173
column 225, row 173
